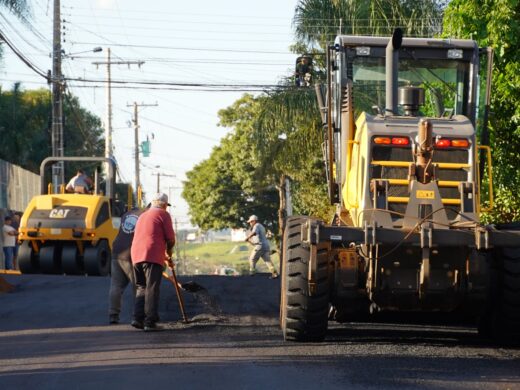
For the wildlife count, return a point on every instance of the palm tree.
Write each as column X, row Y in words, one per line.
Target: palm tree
column 317, row 22
column 293, row 112
column 287, row 136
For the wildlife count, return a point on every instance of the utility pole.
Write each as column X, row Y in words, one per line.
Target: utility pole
column 136, row 138
column 159, row 180
column 108, row 129
column 57, row 99
column 108, row 124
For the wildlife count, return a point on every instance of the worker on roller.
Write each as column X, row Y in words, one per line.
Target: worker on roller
column 79, row 184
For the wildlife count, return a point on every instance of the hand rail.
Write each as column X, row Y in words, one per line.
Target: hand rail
column 490, row 176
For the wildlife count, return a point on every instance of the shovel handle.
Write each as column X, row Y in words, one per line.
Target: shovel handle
column 173, row 279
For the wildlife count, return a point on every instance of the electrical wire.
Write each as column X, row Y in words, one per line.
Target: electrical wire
column 86, row 137
column 20, row 55
column 180, row 89
column 28, row 42
column 183, row 84
column 174, row 128
column 189, row 48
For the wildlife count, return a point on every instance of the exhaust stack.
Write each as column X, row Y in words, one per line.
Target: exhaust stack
column 424, row 152
column 392, row 64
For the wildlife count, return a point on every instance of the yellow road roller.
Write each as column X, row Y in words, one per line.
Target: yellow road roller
column 69, row 233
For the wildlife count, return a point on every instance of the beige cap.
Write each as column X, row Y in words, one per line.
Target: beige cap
column 160, row 198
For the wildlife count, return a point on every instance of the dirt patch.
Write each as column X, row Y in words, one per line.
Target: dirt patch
column 5, row 287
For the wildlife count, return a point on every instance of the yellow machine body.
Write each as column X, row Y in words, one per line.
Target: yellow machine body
column 70, row 233
column 69, row 217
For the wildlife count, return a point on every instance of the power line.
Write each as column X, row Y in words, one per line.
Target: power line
column 112, row 43
column 25, row 60
column 188, row 48
column 191, row 89
column 199, row 31
column 176, row 128
column 28, row 42
column 185, row 21
column 177, row 84
column 212, row 15
column 205, row 61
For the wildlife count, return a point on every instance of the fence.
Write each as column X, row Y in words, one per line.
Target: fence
column 17, row 188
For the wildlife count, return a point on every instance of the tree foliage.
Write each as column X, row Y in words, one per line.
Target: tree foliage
column 20, row 8
column 25, row 128
column 241, row 175
column 495, row 24
column 221, row 191
column 278, row 134
column 317, row 22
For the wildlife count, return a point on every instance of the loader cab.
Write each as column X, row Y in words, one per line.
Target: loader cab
column 378, row 99
column 446, row 70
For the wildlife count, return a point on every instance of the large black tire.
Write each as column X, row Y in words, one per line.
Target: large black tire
column 304, row 317
column 501, row 319
column 27, row 259
column 70, row 261
column 50, row 259
column 97, row 259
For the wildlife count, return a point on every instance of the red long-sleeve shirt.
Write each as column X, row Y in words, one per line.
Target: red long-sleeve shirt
column 152, row 231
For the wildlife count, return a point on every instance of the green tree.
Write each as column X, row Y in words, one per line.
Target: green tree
column 278, row 134
column 288, row 139
column 495, row 24
column 246, row 173
column 216, row 195
column 25, row 128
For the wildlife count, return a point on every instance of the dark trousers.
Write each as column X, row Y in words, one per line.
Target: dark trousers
column 147, row 282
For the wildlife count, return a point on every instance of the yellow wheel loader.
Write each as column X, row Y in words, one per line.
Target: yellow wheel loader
column 404, row 169
column 70, row 233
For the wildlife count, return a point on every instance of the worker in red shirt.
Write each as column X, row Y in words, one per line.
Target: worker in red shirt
column 153, row 243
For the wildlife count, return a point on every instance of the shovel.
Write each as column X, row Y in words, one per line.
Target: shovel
column 192, row 287
column 173, row 278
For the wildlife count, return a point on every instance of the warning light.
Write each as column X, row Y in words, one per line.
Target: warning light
column 400, row 141
column 459, row 143
column 443, row 143
column 382, row 140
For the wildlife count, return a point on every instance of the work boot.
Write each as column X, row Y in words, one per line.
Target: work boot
column 153, row 327
column 137, row 324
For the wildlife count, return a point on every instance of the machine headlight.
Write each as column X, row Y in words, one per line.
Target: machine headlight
column 455, row 54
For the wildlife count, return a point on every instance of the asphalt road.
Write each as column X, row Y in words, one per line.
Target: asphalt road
column 54, row 334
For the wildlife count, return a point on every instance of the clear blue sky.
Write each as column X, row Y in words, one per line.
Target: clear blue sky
column 233, row 42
